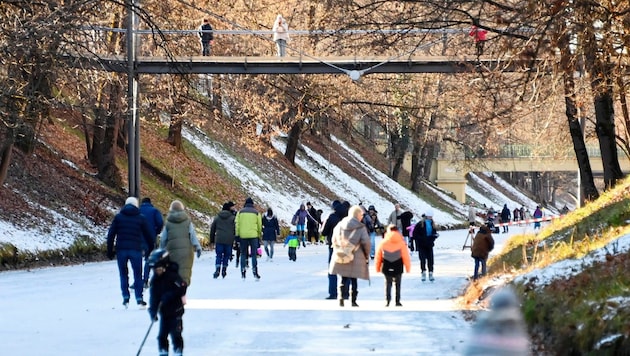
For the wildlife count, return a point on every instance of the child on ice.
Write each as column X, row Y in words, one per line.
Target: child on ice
column 167, row 297
column 293, row 242
column 392, row 255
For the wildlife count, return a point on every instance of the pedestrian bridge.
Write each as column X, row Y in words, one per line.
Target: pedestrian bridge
column 450, row 173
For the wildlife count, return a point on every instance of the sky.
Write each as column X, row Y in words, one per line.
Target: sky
column 77, row 310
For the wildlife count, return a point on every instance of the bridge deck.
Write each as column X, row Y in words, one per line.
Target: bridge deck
column 300, row 65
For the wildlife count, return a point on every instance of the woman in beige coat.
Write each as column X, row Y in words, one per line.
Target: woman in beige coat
column 350, row 237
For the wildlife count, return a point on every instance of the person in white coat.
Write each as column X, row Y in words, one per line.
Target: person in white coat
column 281, row 35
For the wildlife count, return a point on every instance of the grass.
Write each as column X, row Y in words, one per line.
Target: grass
column 587, row 313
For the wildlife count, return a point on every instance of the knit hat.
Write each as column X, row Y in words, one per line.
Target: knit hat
column 227, row 206
column 429, row 213
column 132, row 200
column 371, row 207
column 249, row 201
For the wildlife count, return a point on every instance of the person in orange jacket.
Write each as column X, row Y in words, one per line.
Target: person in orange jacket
column 391, row 256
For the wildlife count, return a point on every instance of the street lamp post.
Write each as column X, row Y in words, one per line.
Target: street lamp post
column 133, row 125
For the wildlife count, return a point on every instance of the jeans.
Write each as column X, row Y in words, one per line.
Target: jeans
column 135, row 257
column 268, row 247
column 332, row 278
column 281, row 46
column 482, row 262
column 224, row 252
column 373, row 241
column 248, row 245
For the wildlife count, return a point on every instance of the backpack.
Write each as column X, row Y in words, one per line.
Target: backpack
column 392, row 268
column 344, row 251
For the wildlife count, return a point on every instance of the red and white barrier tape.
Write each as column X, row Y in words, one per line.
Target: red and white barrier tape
column 528, row 221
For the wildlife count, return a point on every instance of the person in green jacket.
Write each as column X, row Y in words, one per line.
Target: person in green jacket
column 293, row 242
column 248, row 226
column 180, row 240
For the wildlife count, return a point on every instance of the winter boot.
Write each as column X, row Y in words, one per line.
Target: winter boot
column 163, row 353
column 243, row 273
column 341, row 298
column 424, row 276
column 256, row 274
column 387, row 304
column 223, row 272
column 431, row 277
column 216, row 273
column 354, row 298
column 126, row 302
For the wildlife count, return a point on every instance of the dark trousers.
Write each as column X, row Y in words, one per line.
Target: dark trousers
column 249, row 246
column 292, row 253
column 344, row 287
column 332, row 278
column 426, row 258
column 389, row 280
column 205, row 48
column 171, row 326
column 224, row 252
column 135, row 257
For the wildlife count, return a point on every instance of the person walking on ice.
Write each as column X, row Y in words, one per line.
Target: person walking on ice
column 392, row 255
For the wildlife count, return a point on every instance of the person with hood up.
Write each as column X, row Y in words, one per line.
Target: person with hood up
column 300, row 219
column 333, row 219
column 248, row 226
column 281, row 35
column 351, row 244
column 156, row 223
column 270, row 231
column 222, row 236
column 128, row 238
column 482, row 244
column 391, row 256
column 180, row 240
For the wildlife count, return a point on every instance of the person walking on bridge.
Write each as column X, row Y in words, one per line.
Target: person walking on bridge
column 281, row 35
column 206, row 37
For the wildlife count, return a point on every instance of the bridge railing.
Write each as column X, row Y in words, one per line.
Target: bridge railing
column 243, row 42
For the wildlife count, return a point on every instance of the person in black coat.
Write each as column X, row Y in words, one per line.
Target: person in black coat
column 424, row 235
column 339, row 212
column 505, row 217
column 128, row 239
column 167, row 298
column 206, row 37
column 312, row 225
column 270, row 231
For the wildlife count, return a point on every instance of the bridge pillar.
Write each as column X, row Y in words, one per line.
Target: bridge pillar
column 450, row 178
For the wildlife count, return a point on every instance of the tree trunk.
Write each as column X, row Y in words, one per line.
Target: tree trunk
column 575, row 129
column 292, row 141
column 5, row 156
column 599, row 67
column 175, row 131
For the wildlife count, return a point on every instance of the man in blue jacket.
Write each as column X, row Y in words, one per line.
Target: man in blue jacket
column 127, row 239
column 156, row 223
